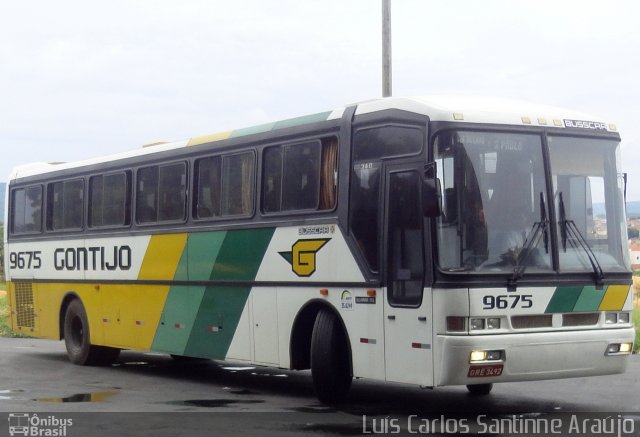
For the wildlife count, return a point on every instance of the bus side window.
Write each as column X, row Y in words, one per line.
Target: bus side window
column 146, row 195
column 272, row 179
column 65, row 205
column 329, row 173
column 209, row 186
column 300, row 176
column 110, row 200
column 172, row 188
column 26, row 210
column 237, row 184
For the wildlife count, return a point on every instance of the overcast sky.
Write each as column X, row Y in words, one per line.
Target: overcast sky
column 86, row 78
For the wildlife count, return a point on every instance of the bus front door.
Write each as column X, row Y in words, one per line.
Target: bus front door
column 408, row 323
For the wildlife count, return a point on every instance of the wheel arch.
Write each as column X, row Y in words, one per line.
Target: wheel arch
column 302, row 330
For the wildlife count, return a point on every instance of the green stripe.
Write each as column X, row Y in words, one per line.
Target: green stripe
column 207, row 317
column 291, row 122
column 564, row 300
column 221, row 307
column 589, row 299
column 204, row 249
column 239, row 259
column 306, row 119
column 180, row 308
column 241, row 255
column 252, row 130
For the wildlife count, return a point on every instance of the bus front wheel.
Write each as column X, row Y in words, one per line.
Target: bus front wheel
column 330, row 367
column 78, row 341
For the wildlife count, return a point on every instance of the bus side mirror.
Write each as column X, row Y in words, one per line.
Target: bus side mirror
column 431, row 193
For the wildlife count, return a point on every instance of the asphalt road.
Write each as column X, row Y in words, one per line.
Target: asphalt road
column 150, row 394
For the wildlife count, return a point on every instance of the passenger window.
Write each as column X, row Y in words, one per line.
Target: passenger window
column 161, row 193
column 237, row 184
column 65, row 205
column 110, row 200
column 300, row 176
column 272, row 180
column 26, row 210
column 208, row 181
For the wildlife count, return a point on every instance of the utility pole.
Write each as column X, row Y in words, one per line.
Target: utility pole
column 386, row 48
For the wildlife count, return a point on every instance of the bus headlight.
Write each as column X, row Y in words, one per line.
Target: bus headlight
column 610, row 318
column 619, row 349
column 477, row 356
column 613, row 318
column 476, row 324
column 486, row 356
column 623, row 318
column 493, row 323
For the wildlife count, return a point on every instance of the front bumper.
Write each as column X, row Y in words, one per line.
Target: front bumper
column 532, row 356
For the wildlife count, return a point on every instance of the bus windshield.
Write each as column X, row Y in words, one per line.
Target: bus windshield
column 589, row 199
column 496, row 212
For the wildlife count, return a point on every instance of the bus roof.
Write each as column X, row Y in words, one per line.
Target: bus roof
column 461, row 109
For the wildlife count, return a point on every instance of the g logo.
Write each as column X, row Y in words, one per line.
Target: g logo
column 303, row 256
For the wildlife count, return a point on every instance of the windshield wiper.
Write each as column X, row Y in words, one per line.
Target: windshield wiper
column 538, row 230
column 569, row 228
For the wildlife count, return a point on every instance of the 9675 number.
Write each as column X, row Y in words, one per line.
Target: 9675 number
column 25, row 260
column 505, row 301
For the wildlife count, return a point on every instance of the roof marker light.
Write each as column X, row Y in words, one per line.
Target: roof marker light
column 557, row 122
column 526, row 120
column 542, row 120
column 458, row 116
column 613, row 127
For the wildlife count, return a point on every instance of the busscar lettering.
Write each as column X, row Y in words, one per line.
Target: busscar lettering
column 583, row 124
column 92, row 258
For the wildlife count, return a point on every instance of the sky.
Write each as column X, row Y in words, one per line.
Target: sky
column 80, row 79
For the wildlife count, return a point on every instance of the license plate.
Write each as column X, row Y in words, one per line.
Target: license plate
column 485, row 371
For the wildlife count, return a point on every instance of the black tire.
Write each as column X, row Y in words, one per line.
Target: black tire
column 330, row 358
column 479, row 389
column 77, row 339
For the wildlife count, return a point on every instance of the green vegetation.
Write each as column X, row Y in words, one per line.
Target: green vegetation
column 636, row 322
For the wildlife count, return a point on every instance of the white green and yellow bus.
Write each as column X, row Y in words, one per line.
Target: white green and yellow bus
column 431, row 241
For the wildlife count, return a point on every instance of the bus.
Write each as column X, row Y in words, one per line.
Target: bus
column 428, row 240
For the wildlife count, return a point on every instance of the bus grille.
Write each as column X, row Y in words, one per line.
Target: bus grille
column 24, row 305
column 580, row 319
column 528, row 322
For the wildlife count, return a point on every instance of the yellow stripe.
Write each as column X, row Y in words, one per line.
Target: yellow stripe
column 614, row 298
column 162, row 257
column 209, row 138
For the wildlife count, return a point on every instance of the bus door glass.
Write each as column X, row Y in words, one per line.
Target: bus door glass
column 408, row 327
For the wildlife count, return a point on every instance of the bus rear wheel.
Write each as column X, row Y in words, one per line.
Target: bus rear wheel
column 330, row 367
column 479, row 389
column 78, row 341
